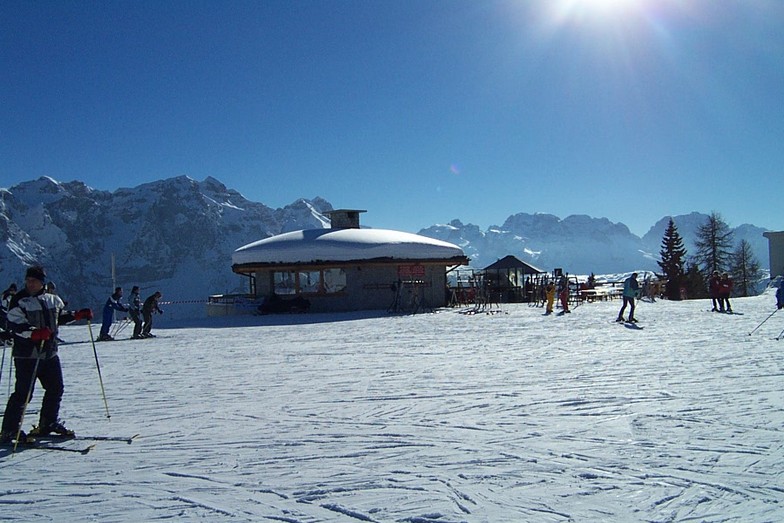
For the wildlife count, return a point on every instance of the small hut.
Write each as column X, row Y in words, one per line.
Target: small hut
column 776, row 252
column 510, row 277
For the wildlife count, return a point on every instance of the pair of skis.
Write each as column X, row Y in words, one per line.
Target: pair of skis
column 43, row 443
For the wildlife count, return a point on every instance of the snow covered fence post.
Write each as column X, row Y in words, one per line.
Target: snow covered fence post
column 98, row 367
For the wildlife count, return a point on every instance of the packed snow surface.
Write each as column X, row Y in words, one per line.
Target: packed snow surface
column 432, row 418
column 344, row 245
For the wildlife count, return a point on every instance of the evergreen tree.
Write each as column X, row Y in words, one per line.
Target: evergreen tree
column 694, row 283
column 745, row 270
column 673, row 256
column 714, row 245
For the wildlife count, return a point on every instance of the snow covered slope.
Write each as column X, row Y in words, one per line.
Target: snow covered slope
column 446, row 417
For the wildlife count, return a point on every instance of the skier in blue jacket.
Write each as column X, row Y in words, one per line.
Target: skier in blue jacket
column 112, row 304
column 631, row 289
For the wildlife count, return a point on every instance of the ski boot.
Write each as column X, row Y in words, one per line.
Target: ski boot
column 57, row 428
column 8, row 438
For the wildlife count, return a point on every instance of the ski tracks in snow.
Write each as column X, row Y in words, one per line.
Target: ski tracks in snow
column 434, row 418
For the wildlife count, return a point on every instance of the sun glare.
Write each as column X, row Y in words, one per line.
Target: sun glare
column 596, row 8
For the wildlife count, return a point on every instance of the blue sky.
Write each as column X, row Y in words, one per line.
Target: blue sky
column 418, row 111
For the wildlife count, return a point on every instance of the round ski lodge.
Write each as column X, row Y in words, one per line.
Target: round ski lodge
column 347, row 268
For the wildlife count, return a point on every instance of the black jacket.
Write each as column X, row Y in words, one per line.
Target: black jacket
column 26, row 313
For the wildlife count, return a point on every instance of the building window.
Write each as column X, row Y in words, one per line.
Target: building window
column 324, row 281
column 309, row 282
column 334, row 280
column 284, row 282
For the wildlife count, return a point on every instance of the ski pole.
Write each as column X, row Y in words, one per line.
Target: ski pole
column 123, row 325
column 10, row 374
column 98, row 367
column 763, row 321
column 2, row 364
column 780, row 335
column 119, row 327
column 10, row 370
column 33, row 377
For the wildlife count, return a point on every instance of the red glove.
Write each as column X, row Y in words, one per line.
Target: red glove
column 83, row 314
column 41, row 334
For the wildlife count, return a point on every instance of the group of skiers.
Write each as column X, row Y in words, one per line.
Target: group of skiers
column 561, row 289
column 720, row 289
column 141, row 313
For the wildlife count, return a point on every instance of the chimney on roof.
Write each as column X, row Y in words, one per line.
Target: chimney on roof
column 344, row 218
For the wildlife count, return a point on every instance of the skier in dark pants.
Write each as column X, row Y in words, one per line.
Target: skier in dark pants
column 112, row 304
column 135, row 309
column 150, row 306
column 725, row 291
column 33, row 317
column 780, row 295
column 714, row 287
column 631, row 289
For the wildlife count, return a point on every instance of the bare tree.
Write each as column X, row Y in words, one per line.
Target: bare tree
column 745, row 270
column 714, row 245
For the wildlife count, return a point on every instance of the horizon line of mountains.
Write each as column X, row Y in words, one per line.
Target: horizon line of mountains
column 178, row 234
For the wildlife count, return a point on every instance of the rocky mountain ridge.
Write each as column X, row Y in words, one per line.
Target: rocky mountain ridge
column 580, row 244
column 178, row 234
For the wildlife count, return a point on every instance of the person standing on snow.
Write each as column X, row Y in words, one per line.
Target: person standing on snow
column 714, row 287
column 5, row 301
column 34, row 317
column 112, row 304
column 563, row 294
column 725, row 290
column 549, row 293
column 135, row 309
column 150, row 306
column 780, row 295
column 631, row 289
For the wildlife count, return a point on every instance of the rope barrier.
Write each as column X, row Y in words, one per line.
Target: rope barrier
column 177, row 302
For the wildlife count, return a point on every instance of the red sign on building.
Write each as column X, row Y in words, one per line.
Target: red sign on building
column 411, row 271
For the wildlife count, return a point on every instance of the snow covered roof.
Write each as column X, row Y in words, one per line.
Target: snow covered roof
column 345, row 245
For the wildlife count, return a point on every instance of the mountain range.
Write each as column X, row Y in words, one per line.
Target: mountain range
column 177, row 235
column 580, row 244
